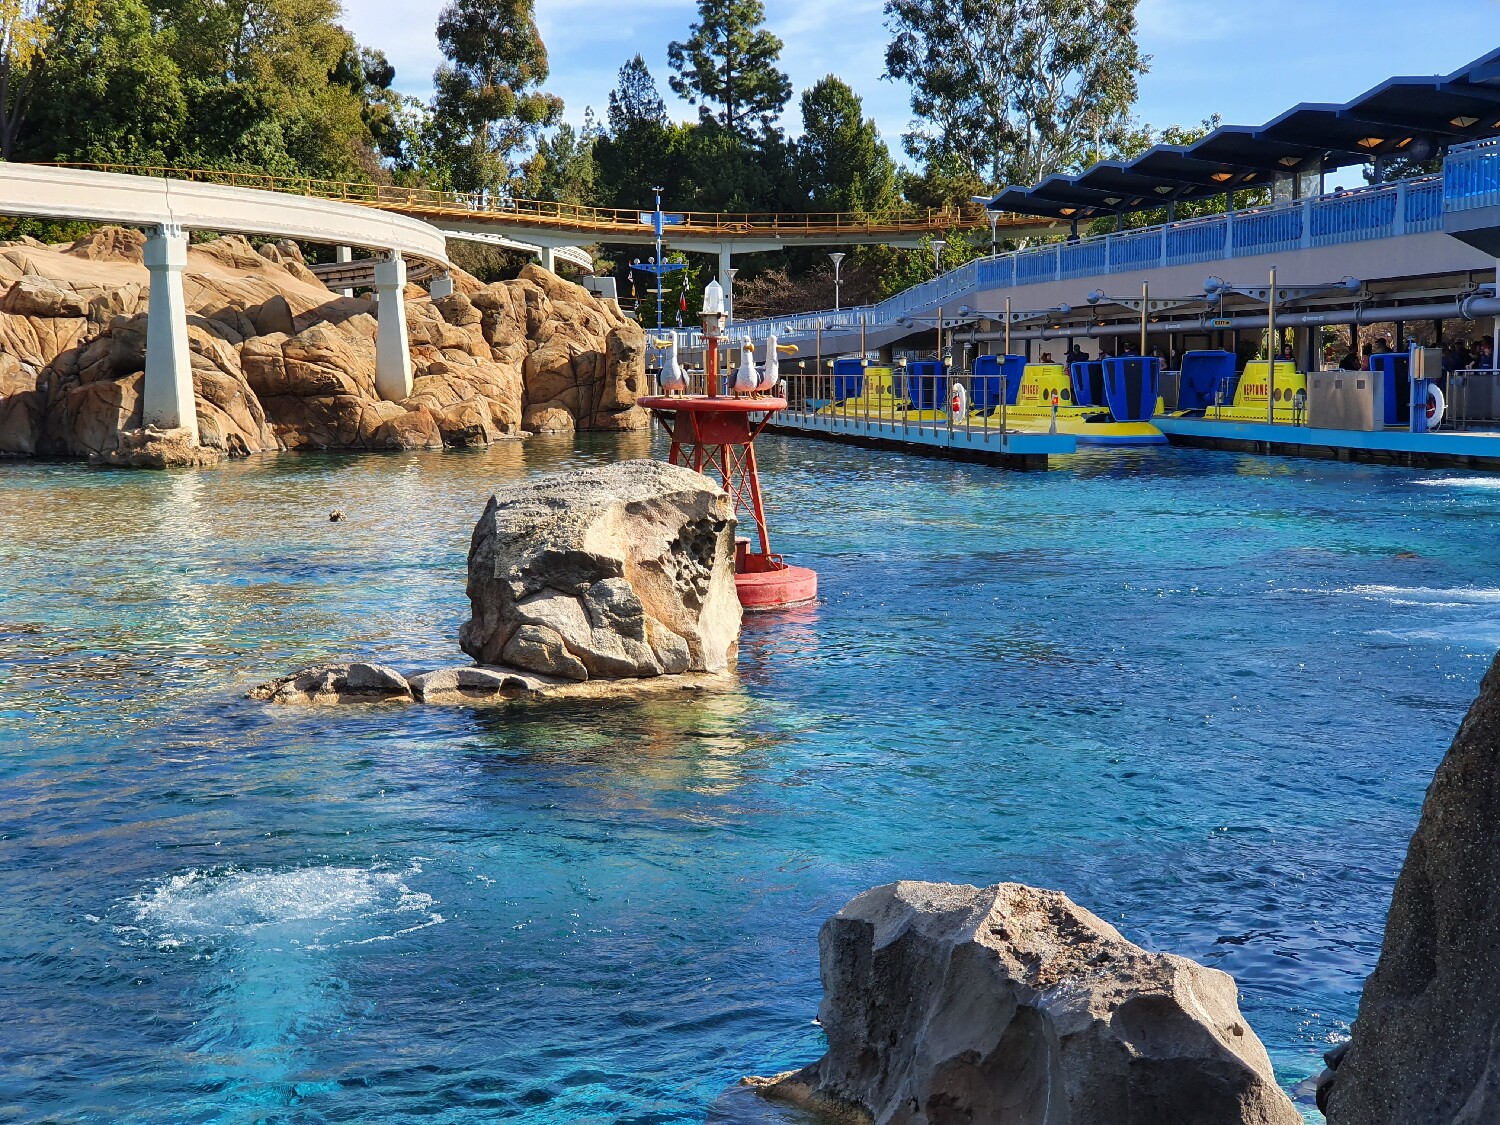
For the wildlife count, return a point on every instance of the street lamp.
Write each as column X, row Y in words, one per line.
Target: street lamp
column 836, row 258
column 937, row 255
column 729, row 293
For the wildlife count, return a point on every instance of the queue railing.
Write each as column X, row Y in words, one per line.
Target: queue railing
column 1473, row 400
column 1356, row 215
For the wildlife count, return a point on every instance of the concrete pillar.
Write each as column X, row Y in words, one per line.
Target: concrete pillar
column 725, row 281
column 549, row 259
column 392, row 354
column 442, row 286
column 167, row 402
column 342, row 255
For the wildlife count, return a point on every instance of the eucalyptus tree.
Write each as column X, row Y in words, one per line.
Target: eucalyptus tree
column 489, row 105
column 1013, row 90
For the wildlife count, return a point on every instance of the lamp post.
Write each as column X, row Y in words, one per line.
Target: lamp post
column 729, row 294
column 657, row 260
column 837, row 258
column 937, row 255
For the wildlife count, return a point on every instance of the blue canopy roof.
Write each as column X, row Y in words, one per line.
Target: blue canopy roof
column 1417, row 117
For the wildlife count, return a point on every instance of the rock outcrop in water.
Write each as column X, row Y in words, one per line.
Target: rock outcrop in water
column 619, row 571
column 1426, row 1043
column 612, row 580
column 280, row 362
column 945, row 1004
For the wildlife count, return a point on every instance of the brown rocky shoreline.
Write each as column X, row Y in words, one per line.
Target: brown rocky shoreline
column 280, row 362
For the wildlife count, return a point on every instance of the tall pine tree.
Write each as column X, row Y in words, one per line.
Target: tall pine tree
column 729, row 61
column 844, row 164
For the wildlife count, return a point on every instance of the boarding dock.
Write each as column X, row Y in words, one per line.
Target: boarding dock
column 1446, row 450
column 987, row 444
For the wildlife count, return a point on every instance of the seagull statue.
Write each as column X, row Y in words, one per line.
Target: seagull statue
column 674, row 380
column 770, row 372
column 746, row 379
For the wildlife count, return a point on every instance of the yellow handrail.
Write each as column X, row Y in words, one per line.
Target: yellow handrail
column 601, row 220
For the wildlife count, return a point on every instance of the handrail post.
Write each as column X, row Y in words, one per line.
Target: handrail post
column 1398, row 221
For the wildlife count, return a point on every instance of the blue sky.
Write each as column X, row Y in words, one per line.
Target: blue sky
column 1245, row 60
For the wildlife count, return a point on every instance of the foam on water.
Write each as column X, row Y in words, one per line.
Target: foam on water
column 314, row 907
column 1491, row 484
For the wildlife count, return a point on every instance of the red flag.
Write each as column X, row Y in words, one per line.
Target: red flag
column 682, row 302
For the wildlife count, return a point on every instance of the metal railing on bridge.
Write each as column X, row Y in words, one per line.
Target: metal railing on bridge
column 575, row 218
column 1385, row 211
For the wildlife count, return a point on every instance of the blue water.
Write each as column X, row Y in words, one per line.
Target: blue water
column 1201, row 693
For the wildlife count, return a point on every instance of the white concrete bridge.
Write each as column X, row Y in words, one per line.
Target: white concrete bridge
column 169, row 209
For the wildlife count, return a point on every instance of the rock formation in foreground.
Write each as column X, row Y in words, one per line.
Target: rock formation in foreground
column 613, row 580
column 280, row 362
column 1426, row 1043
column 617, row 571
column 945, row 1004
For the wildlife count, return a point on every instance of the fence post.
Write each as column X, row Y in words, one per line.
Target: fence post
column 1307, row 214
column 1398, row 221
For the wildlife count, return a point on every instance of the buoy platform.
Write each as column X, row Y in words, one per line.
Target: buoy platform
column 717, row 433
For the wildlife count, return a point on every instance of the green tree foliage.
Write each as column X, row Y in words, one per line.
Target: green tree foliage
column 33, row 35
column 562, row 169
column 842, row 162
column 729, row 61
column 635, row 155
column 113, row 96
column 1015, row 89
column 489, row 105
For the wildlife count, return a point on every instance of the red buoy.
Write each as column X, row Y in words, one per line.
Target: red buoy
column 716, row 433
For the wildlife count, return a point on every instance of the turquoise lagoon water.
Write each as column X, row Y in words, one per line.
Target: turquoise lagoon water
column 1201, row 693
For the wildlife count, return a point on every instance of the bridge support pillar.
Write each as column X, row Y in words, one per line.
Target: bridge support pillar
column 725, row 281
column 167, row 399
column 341, row 255
column 549, row 259
column 441, row 286
column 392, row 353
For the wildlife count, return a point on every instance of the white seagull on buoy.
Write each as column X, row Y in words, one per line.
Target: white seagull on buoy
column 746, row 379
column 674, row 380
column 770, row 372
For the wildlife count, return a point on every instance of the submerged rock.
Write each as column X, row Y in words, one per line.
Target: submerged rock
column 1426, row 1043
column 946, row 1004
column 620, row 571
column 150, row 448
column 469, row 685
column 337, row 683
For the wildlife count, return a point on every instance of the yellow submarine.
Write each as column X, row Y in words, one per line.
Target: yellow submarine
column 1044, row 397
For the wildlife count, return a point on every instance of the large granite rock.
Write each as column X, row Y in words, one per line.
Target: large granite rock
column 618, row 571
column 1426, row 1043
column 945, row 1004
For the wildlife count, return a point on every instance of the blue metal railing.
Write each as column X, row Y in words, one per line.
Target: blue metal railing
column 1137, row 249
column 1471, row 178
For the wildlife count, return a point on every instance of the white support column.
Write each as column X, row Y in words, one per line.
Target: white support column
column 725, row 281
column 441, row 286
column 167, row 401
column 549, row 259
column 343, row 255
column 392, row 353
